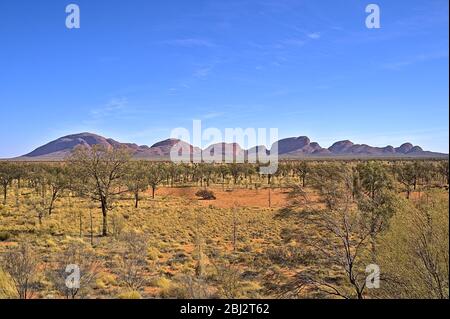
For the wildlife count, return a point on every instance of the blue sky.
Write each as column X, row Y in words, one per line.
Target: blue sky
column 138, row 69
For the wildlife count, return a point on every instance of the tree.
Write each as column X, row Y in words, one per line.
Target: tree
column 6, row 177
column 337, row 238
column 137, row 180
column 443, row 171
column 57, row 178
column 223, row 170
column 101, row 171
column 414, row 253
column 206, row 172
column 155, row 175
column 407, row 176
column 21, row 264
column 374, row 200
column 373, row 178
column 302, row 170
column 332, row 182
column 235, row 171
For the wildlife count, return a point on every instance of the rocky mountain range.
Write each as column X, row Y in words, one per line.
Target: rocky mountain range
column 289, row 148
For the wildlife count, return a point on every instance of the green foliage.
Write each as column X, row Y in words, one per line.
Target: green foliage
column 414, row 253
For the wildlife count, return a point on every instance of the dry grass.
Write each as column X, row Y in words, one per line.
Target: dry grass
column 171, row 222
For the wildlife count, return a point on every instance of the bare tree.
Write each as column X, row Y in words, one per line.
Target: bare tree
column 235, row 224
column 337, row 237
column 199, row 255
column 132, row 260
column 78, row 255
column 21, row 264
column 228, row 277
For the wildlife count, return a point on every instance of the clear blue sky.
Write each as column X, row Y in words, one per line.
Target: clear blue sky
column 137, row 69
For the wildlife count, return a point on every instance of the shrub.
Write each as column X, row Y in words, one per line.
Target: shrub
column 130, row 295
column 205, row 194
column 4, row 236
column 7, row 289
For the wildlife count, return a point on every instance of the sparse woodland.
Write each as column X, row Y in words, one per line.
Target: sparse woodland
column 137, row 229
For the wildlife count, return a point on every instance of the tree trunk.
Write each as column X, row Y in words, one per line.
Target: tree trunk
column 105, row 221
column 153, row 192
column 5, row 188
column 52, row 201
column 81, row 224
column 136, row 200
column 92, row 228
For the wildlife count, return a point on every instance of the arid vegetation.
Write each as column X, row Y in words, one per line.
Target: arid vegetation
column 140, row 229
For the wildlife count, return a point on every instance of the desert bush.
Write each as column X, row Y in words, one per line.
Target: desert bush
column 205, row 194
column 117, row 224
column 185, row 286
column 79, row 254
column 4, row 236
column 7, row 288
column 21, row 264
column 132, row 260
column 105, row 280
column 130, row 295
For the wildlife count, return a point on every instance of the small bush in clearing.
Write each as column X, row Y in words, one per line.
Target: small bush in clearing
column 205, row 194
column 4, row 236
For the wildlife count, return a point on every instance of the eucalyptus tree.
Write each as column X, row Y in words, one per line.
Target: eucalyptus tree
column 375, row 199
column 102, row 171
column 58, row 180
column 6, row 177
column 156, row 173
column 302, row 170
column 223, row 170
column 406, row 175
column 442, row 168
column 137, row 180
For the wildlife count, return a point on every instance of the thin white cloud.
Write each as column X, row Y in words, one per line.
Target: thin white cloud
column 113, row 106
column 191, row 42
column 293, row 42
column 212, row 115
column 202, row 72
column 314, row 35
column 415, row 59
